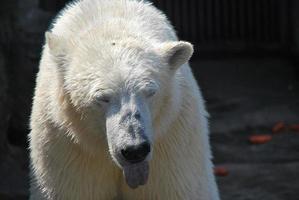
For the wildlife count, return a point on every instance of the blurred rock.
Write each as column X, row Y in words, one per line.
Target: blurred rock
column 30, row 25
column 13, row 160
column 22, row 27
column 4, row 114
column 14, row 182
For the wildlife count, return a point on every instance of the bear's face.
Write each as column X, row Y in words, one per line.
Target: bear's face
column 119, row 86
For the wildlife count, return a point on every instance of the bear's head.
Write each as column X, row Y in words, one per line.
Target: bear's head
column 118, row 86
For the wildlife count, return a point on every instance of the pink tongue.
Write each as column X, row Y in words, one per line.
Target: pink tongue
column 136, row 174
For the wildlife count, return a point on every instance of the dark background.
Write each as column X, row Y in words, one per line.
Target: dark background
column 246, row 62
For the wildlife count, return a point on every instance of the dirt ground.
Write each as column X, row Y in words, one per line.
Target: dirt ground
column 248, row 97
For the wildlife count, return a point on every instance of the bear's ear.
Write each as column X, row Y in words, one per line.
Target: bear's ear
column 175, row 54
column 56, row 44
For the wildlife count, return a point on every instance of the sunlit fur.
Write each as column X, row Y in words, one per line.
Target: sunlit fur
column 100, row 45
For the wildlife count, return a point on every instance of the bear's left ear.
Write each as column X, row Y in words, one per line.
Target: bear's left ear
column 175, row 54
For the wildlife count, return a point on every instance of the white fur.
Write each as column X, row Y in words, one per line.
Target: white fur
column 95, row 44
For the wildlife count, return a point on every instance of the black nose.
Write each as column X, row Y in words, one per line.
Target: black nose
column 136, row 153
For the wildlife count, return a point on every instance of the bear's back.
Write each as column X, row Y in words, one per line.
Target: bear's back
column 139, row 18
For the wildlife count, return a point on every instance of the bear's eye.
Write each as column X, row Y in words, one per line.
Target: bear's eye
column 103, row 99
column 150, row 92
column 150, row 89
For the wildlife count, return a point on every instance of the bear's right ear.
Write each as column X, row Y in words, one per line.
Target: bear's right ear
column 56, row 44
column 176, row 53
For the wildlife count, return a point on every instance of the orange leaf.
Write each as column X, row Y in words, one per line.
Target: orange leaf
column 260, row 139
column 279, row 126
column 220, row 171
column 294, row 127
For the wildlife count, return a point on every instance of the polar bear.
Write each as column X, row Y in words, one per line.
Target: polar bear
column 117, row 113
